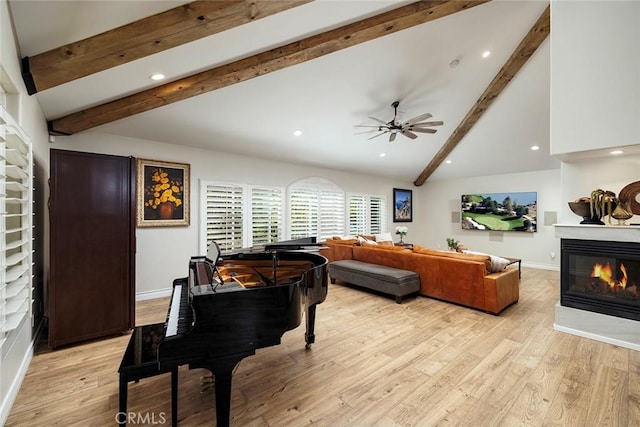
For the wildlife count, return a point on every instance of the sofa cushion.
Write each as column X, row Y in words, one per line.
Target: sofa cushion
column 478, row 257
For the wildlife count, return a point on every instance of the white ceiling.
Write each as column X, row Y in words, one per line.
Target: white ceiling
column 325, row 97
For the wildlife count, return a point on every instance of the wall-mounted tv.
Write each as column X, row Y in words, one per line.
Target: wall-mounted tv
column 500, row 211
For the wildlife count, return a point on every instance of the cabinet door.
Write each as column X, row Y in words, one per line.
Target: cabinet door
column 92, row 252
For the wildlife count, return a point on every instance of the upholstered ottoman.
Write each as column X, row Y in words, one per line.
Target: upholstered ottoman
column 380, row 278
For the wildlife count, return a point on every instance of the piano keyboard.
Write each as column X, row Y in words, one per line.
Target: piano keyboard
column 180, row 316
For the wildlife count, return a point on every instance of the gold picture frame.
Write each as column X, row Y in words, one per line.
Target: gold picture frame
column 162, row 193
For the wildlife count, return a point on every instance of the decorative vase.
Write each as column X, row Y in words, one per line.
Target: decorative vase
column 165, row 210
column 622, row 212
column 401, row 242
column 583, row 209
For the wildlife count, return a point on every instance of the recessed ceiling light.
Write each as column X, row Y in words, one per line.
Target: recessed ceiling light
column 297, row 132
column 535, row 147
column 616, row 152
column 448, row 162
column 383, row 154
column 157, row 76
column 486, row 53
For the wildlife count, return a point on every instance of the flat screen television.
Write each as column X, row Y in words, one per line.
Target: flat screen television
column 500, row 211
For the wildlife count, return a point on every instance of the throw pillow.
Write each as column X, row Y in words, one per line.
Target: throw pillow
column 497, row 263
column 383, row 238
column 364, row 241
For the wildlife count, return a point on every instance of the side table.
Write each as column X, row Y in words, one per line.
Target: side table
column 513, row 261
column 140, row 361
column 405, row 245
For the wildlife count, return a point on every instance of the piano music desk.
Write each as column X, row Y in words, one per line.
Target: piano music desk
column 140, row 361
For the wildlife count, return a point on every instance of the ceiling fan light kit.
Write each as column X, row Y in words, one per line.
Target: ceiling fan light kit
column 408, row 128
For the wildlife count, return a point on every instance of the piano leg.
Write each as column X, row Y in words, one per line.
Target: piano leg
column 222, row 370
column 174, row 396
column 223, row 397
column 310, row 336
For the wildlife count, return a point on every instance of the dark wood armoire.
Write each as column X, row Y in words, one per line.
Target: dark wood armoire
column 92, row 246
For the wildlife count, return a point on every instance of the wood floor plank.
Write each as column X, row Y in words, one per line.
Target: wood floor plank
column 609, row 401
column 375, row 363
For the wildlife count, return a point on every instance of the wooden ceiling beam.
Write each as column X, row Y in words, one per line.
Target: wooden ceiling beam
column 262, row 63
column 165, row 30
column 534, row 38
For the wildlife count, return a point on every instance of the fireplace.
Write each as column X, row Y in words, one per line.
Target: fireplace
column 601, row 276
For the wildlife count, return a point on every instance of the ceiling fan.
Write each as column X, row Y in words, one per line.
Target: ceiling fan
column 408, row 128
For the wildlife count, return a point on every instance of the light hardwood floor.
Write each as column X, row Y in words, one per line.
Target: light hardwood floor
column 374, row 363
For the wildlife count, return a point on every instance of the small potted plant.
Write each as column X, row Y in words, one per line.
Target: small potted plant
column 452, row 244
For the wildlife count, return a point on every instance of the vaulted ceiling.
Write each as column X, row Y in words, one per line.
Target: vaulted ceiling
column 243, row 76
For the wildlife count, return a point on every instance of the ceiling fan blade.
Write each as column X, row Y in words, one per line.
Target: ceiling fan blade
column 409, row 134
column 419, row 118
column 375, row 136
column 366, row 131
column 422, row 130
column 366, row 126
column 427, row 124
column 392, row 137
column 379, row 121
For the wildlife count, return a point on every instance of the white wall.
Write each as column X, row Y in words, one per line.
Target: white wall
column 441, row 199
column 595, row 96
column 595, row 75
column 163, row 253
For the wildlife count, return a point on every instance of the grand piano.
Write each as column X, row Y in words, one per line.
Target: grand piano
column 231, row 305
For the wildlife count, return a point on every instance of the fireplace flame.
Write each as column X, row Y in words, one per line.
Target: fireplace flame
column 605, row 273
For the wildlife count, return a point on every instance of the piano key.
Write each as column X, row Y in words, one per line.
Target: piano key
column 174, row 312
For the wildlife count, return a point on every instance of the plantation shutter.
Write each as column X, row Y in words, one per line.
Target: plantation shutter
column 357, row 215
column 303, row 206
column 224, row 216
column 367, row 214
column 331, row 214
column 316, row 209
column 266, row 215
column 16, row 223
column 378, row 214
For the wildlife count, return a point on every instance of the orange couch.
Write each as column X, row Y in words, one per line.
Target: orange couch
column 449, row 276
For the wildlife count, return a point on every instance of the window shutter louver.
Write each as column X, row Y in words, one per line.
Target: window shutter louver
column 239, row 216
column 224, row 211
column 304, row 206
column 316, row 209
column 266, row 215
column 357, row 215
column 378, row 221
column 367, row 214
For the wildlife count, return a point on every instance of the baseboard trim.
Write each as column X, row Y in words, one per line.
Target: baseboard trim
column 143, row 296
column 552, row 267
column 12, row 393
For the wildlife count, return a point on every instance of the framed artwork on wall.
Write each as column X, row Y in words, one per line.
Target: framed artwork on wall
column 162, row 193
column 402, row 205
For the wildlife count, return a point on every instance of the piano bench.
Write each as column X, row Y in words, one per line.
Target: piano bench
column 140, row 361
column 388, row 280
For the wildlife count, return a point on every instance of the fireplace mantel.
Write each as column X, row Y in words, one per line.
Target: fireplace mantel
column 611, row 233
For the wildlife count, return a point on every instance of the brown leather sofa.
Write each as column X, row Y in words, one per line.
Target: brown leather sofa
column 449, row 276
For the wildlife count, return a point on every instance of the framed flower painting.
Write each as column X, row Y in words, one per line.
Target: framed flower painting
column 162, row 193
